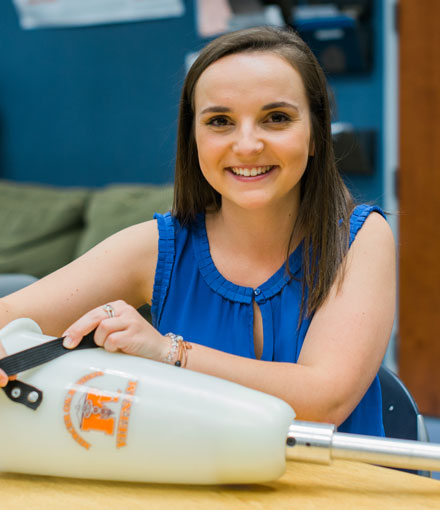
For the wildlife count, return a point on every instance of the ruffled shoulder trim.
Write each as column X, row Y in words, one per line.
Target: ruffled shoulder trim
column 165, row 262
column 358, row 217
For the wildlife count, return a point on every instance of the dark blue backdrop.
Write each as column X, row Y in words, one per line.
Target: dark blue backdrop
column 88, row 106
column 85, row 106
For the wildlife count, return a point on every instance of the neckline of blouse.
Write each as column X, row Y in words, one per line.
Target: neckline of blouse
column 241, row 294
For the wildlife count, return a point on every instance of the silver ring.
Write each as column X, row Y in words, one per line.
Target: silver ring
column 109, row 310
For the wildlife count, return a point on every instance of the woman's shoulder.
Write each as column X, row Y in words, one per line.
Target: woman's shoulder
column 370, row 220
column 173, row 233
column 141, row 236
column 370, row 231
column 135, row 247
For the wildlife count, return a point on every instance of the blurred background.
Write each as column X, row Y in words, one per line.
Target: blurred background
column 89, row 97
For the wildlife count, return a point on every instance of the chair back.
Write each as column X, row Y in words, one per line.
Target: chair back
column 401, row 416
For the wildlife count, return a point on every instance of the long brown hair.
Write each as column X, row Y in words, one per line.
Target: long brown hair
column 326, row 204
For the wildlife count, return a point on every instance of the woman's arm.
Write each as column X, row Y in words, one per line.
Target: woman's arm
column 341, row 354
column 121, row 267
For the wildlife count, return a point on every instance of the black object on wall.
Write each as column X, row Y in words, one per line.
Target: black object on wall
column 342, row 40
column 355, row 150
column 338, row 31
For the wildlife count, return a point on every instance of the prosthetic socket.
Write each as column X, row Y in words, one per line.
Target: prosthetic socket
column 94, row 414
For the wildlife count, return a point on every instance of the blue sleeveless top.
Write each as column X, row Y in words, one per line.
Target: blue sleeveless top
column 191, row 298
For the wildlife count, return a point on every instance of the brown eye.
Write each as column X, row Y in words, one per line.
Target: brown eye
column 278, row 117
column 218, row 121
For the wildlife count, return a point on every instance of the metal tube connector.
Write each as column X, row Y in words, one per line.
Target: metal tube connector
column 319, row 442
column 310, row 442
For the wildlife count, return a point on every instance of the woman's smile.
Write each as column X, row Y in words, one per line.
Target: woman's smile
column 250, row 171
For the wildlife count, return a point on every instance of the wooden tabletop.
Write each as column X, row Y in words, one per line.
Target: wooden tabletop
column 343, row 485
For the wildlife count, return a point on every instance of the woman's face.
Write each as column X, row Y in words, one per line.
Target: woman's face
column 253, row 130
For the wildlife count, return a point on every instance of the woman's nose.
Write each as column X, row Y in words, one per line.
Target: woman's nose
column 247, row 143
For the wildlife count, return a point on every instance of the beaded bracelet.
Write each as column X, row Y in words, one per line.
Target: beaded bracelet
column 179, row 346
column 174, row 347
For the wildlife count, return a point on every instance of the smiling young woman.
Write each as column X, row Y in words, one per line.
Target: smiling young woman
column 264, row 265
column 252, row 130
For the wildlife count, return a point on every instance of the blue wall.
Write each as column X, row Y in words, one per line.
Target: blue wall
column 88, row 106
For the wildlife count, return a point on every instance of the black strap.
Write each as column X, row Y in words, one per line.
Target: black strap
column 26, row 394
column 23, row 393
column 36, row 356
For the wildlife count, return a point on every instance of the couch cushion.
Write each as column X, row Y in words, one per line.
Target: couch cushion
column 119, row 206
column 40, row 227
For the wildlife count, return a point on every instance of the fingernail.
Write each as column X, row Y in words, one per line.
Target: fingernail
column 67, row 342
column 3, row 379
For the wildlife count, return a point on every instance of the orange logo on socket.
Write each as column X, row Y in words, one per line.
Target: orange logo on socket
column 93, row 412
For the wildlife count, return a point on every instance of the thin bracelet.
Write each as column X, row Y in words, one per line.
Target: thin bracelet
column 182, row 357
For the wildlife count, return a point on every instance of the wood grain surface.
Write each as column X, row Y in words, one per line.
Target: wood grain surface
column 343, row 485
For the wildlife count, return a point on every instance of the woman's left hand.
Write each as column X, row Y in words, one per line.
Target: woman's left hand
column 119, row 327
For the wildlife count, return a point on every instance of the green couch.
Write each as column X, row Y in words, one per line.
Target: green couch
column 43, row 228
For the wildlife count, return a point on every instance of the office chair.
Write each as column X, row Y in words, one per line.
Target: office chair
column 401, row 416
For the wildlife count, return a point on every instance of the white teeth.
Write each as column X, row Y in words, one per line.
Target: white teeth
column 251, row 172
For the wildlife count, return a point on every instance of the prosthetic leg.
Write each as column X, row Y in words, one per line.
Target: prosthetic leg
column 94, row 414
